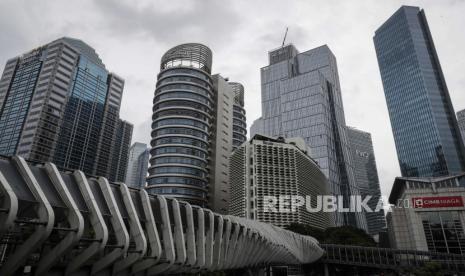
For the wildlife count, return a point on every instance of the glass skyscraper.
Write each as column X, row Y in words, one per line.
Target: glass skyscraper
column 136, row 175
column 461, row 122
column 425, row 129
column 301, row 97
column 366, row 176
column 59, row 103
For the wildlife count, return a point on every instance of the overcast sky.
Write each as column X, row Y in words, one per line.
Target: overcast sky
column 131, row 36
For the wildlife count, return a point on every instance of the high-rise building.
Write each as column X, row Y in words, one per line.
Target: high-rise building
column 222, row 145
column 301, row 97
column 192, row 129
column 120, row 151
column 59, row 103
column 239, row 120
column 138, row 161
column 257, row 127
column 461, row 123
column 265, row 167
column 425, row 129
column 366, row 176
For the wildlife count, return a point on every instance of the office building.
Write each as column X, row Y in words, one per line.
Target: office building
column 301, row 97
column 222, row 145
column 59, row 103
column 257, row 127
column 120, row 151
column 425, row 129
column 192, row 129
column 429, row 214
column 366, row 177
column 239, row 119
column 267, row 166
column 138, row 161
column 461, row 123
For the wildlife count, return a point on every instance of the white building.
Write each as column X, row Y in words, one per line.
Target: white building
column 266, row 166
column 429, row 214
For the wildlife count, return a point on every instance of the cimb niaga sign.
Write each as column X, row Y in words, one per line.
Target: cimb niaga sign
column 437, row 202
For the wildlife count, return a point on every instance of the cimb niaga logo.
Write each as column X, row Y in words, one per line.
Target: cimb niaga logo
column 324, row 203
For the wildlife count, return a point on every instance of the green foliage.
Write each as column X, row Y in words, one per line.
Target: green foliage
column 307, row 230
column 335, row 235
column 429, row 269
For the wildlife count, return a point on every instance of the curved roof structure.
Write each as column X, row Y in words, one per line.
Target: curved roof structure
column 65, row 222
column 190, row 54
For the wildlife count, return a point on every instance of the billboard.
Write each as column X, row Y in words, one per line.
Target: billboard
column 437, row 202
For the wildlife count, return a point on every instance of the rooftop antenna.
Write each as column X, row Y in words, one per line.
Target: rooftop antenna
column 285, row 35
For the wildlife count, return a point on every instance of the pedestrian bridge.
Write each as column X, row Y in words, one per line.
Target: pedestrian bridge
column 65, row 223
column 391, row 259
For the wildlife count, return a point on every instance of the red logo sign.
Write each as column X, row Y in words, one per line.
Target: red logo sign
column 437, row 202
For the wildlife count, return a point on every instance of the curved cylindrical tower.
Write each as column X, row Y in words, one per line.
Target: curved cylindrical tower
column 239, row 120
column 181, row 124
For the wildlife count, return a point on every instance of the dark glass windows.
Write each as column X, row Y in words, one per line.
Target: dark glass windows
column 422, row 117
column 17, row 102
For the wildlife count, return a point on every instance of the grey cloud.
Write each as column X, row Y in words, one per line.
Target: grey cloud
column 194, row 20
column 131, row 36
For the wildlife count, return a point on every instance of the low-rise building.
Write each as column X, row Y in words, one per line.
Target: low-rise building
column 429, row 214
column 267, row 167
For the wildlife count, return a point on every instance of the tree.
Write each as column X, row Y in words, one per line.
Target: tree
column 429, row 269
column 307, row 230
column 348, row 235
column 334, row 235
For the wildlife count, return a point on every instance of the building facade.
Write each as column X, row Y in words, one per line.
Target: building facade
column 425, row 129
column 138, row 161
column 265, row 167
column 192, row 129
column 429, row 214
column 301, row 97
column 59, row 103
column 366, row 176
column 120, row 151
column 461, row 123
column 239, row 119
column 222, row 145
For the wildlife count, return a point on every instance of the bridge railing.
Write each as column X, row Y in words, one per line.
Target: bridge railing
column 390, row 258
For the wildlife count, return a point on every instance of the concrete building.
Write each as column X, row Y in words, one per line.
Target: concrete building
column 429, row 214
column 425, row 129
column 461, row 123
column 222, row 145
column 59, row 103
column 266, row 166
column 192, row 129
column 366, row 176
column 301, row 97
column 138, row 161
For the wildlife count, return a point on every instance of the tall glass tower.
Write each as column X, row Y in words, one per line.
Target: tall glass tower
column 138, row 162
column 58, row 103
column 425, row 129
column 366, row 176
column 461, row 122
column 301, row 97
